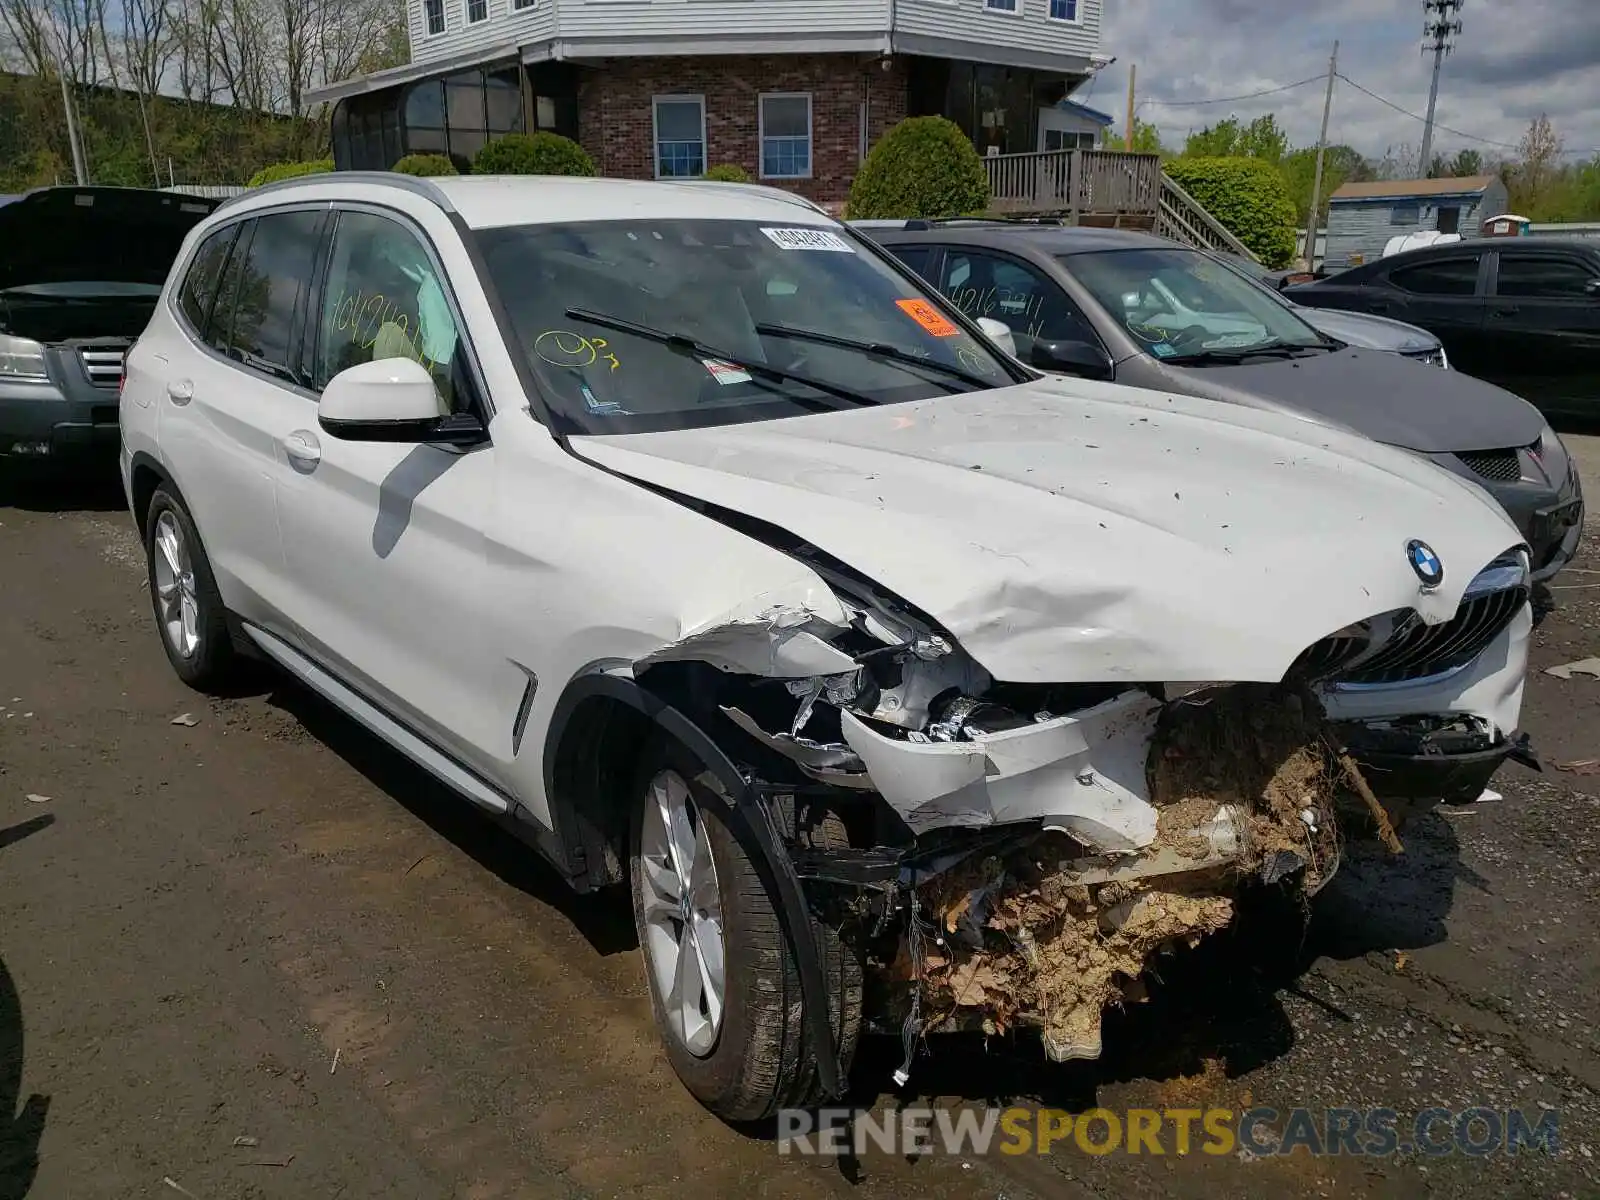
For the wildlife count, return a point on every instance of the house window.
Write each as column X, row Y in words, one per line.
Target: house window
column 477, row 10
column 680, row 123
column 1405, row 214
column 520, row 5
column 1006, row 6
column 1063, row 10
column 433, row 14
column 786, row 137
column 1066, row 139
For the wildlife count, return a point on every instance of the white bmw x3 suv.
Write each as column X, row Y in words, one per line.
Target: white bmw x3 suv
column 694, row 539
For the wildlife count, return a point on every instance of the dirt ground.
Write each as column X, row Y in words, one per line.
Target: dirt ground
column 259, row 956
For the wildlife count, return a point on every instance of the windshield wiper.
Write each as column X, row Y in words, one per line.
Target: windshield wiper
column 683, row 344
column 1239, row 354
column 875, row 350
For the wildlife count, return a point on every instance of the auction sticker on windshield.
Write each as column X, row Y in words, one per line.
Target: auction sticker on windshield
column 929, row 317
column 808, row 239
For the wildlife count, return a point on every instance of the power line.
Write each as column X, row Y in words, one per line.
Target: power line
column 1471, row 137
column 1288, row 87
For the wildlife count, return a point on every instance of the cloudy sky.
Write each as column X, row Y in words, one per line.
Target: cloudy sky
column 1514, row 60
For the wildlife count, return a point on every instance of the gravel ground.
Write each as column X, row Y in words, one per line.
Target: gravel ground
column 260, row 956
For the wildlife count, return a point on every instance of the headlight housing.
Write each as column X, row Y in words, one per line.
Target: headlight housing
column 21, row 358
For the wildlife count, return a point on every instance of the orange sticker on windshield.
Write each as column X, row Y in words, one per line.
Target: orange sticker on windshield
column 929, row 317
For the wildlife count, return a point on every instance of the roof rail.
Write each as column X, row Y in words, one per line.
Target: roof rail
column 414, row 184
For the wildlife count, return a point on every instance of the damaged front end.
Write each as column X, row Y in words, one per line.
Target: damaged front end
column 1006, row 855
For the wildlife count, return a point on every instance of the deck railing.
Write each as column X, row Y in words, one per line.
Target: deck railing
column 1072, row 182
column 1079, row 184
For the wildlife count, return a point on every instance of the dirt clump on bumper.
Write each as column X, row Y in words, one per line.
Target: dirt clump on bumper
column 1047, row 934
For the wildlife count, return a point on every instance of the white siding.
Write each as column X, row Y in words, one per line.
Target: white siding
column 627, row 20
column 505, row 28
column 630, row 26
column 1029, row 28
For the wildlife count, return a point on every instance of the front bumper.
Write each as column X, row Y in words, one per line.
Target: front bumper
column 40, row 426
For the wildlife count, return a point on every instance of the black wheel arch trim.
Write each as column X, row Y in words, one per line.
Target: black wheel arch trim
column 774, row 866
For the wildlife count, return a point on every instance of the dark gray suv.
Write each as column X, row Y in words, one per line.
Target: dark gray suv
column 80, row 276
column 1118, row 305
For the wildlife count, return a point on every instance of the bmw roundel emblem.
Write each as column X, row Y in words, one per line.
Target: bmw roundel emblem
column 1425, row 563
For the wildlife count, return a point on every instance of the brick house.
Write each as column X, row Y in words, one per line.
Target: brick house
column 793, row 91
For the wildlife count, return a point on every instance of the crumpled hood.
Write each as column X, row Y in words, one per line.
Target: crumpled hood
column 83, row 234
column 1382, row 396
column 1067, row 531
column 1368, row 331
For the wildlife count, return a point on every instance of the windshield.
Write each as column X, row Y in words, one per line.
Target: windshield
column 645, row 325
column 1181, row 303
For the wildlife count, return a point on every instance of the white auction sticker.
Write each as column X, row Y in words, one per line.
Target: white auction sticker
column 808, row 239
column 726, row 373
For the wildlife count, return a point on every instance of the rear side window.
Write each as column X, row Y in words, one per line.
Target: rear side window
column 916, row 258
column 219, row 329
column 199, row 288
column 1447, row 277
column 275, row 267
column 1543, row 278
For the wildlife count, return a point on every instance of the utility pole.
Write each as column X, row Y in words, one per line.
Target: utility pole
column 71, row 113
column 1322, row 148
column 1127, row 134
column 1440, row 24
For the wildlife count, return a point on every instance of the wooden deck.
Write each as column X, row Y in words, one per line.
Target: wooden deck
column 1104, row 188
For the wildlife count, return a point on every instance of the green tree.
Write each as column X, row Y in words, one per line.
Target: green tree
column 1465, row 163
column 1263, row 138
column 1534, row 176
column 728, row 173
column 425, row 164
column 1146, row 139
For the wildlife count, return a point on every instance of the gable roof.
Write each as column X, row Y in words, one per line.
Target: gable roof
column 1404, row 189
column 1084, row 111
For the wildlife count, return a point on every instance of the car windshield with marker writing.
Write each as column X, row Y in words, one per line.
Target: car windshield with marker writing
column 635, row 326
column 1187, row 309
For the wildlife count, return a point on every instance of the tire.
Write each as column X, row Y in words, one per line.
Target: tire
column 758, row 1058
column 188, row 608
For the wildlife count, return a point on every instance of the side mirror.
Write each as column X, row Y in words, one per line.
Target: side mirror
column 392, row 400
column 999, row 333
column 1073, row 358
column 1592, row 288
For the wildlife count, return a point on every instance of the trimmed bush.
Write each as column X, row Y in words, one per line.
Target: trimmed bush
column 292, row 170
column 923, row 167
column 1248, row 196
column 541, row 153
column 425, row 164
column 728, row 173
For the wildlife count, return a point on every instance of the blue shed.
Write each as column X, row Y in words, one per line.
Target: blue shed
column 1362, row 217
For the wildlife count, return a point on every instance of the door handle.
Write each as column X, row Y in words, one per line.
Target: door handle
column 180, row 391
column 1505, row 312
column 302, row 449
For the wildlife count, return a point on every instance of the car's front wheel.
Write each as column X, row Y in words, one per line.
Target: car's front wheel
column 722, row 975
column 183, row 592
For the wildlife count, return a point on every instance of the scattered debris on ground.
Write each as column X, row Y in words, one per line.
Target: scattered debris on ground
column 1022, row 939
column 1584, row 666
column 188, row 720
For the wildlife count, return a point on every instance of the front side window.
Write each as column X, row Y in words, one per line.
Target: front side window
column 199, row 288
column 278, row 263
column 786, row 137
column 1032, row 306
column 1537, row 277
column 1444, row 277
column 384, row 299
column 664, row 324
column 433, row 14
column 680, row 137
column 1181, row 303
